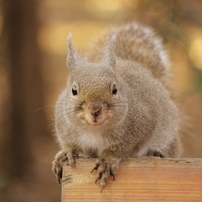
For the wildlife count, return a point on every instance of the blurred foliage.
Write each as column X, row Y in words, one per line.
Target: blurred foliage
column 179, row 22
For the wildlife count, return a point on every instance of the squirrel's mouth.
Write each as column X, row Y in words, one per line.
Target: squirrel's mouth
column 96, row 121
column 94, row 117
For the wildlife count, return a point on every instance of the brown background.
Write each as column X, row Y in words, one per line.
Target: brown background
column 33, row 72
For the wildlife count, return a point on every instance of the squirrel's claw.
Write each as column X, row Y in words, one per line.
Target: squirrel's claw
column 113, row 176
column 71, row 159
column 104, row 171
column 97, row 164
column 59, row 175
column 57, row 169
column 59, row 160
column 98, row 178
column 57, row 165
column 101, row 188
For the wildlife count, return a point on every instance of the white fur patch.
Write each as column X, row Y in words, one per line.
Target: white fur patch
column 92, row 139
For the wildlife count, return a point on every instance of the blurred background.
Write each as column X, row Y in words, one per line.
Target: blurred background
column 33, row 72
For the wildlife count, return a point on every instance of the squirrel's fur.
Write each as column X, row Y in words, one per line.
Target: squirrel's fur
column 117, row 103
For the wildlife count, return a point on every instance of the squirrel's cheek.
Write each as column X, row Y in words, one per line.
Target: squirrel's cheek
column 81, row 116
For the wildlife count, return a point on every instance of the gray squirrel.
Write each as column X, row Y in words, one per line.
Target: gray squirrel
column 117, row 102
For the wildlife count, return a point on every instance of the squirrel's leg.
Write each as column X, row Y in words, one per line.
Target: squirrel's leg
column 67, row 154
column 106, row 165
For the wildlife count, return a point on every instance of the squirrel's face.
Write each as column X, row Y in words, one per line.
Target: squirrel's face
column 94, row 97
column 95, row 93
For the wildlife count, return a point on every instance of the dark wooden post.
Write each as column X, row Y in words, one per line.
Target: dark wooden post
column 26, row 89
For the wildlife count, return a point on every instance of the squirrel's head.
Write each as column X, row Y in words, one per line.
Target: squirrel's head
column 95, row 91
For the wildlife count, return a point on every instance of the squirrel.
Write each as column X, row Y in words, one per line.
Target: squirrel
column 117, row 103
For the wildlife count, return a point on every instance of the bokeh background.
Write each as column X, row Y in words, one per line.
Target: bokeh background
column 33, row 72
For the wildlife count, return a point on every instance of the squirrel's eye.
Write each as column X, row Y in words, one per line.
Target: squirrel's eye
column 74, row 90
column 114, row 89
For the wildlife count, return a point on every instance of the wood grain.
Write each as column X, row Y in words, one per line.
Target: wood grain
column 139, row 179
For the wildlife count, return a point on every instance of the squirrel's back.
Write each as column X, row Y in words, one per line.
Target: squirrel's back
column 135, row 42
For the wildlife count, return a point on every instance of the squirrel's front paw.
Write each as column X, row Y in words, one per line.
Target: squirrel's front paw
column 104, row 170
column 60, row 158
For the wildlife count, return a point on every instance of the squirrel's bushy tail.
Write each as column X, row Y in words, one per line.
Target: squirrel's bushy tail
column 138, row 43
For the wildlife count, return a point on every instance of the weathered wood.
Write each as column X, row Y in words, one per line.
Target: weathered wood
column 140, row 179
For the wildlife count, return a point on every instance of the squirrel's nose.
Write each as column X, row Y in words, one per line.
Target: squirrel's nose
column 95, row 111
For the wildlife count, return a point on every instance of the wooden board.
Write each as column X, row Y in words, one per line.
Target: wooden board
column 141, row 179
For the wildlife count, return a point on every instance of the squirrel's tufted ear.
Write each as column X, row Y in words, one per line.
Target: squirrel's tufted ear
column 110, row 53
column 71, row 58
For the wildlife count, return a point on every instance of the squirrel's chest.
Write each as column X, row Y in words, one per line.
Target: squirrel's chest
column 92, row 143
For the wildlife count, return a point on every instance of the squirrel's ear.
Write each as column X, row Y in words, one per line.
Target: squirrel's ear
column 110, row 53
column 71, row 58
